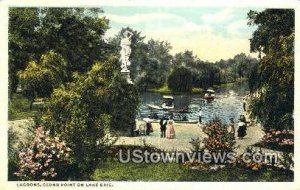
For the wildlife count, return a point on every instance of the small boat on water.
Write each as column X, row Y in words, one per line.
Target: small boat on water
column 152, row 106
column 168, row 104
column 209, row 95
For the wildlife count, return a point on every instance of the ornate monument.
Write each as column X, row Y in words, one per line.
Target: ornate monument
column 125, row 53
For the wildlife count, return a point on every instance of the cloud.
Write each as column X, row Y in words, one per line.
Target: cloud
column 236, row 27
column 223, row 15
column 142, row 18
column 204, row 42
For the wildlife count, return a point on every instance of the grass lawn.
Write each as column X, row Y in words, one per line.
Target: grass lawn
column 166, row 90
column 19, row 108
column 116, row 171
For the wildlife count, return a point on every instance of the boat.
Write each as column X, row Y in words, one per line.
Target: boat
column 152, row 106
column 168, row 102
column 209, row 95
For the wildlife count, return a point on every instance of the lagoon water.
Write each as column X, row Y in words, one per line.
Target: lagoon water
column 227, row 104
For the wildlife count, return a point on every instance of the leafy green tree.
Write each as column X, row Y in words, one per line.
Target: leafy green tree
column 180, row 80
column 22, row 41
column 83, row 111
column 274, row 104
column 271, row 23
column 39, row 78
column 204, row 74
column 75, row 33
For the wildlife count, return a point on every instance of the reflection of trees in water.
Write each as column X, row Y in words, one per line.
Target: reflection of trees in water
column 240, row 88
column 182, row 102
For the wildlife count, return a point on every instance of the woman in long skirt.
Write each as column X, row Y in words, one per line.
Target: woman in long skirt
column 170, row 133
column 241, row 129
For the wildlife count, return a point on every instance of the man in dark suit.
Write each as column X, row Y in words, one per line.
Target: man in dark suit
column 163, row 126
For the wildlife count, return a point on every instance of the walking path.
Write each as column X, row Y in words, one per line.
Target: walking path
column 255, row 134
column 184, row 133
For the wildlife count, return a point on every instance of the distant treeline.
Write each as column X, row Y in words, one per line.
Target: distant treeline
column 152, row 65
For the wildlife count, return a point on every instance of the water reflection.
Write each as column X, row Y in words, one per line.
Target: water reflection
column 227, row 104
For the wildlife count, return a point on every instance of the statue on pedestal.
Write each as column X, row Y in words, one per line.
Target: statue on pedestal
column 125, row 51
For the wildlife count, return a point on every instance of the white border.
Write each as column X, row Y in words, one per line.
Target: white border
column 4, row 184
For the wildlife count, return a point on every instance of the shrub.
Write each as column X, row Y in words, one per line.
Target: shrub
column 279, row 140
column 43, row 158
column 39, row 78
column 218, row 138
column 83, row 111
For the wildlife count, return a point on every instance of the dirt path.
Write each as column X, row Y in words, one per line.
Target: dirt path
column 255, row 134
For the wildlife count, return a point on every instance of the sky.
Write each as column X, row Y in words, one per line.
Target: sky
column 211, row 33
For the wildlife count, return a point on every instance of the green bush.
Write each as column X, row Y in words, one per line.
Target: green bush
column 39, row 78
column 83, row 111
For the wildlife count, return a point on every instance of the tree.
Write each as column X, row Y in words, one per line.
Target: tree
column 83, row 111
column 180, row 80
column 75, row 33
column 22, row 41
column 271, row 24
column 39, row 78
column 274, row 36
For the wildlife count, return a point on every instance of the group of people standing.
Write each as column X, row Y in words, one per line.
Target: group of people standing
column 242, row 128
column 167, row 128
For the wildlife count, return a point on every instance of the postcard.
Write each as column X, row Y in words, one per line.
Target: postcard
column 136, row 94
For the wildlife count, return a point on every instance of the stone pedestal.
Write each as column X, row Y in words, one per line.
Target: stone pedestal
column 126, row 75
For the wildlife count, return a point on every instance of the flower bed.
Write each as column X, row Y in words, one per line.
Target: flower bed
column 278, row 140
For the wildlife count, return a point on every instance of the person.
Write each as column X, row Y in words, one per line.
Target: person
column 243, row 118
column 163, row 126
column 149, row 128
column 170, row 132
column 244, row 104
column 231, row 129
column 241, row 129
column 200, row 116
